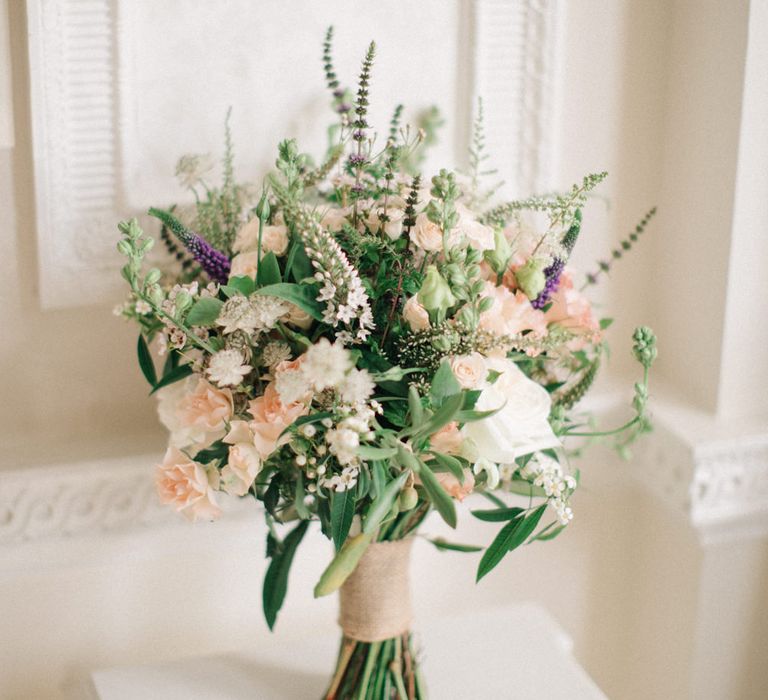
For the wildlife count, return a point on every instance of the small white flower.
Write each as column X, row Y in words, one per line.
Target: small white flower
column 492, row 472
column 177, row 338
column 308, row 430
column 227, row 368
column 268, row 310
column 357, row 387
column 326, row 365
column 300, row 460
column 292, row 386
column 142, row 307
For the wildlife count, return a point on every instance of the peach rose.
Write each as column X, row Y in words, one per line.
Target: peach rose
column 572, row 310
column 453, row 487
column 207, row 407
column 245, row 265
column 510, row 313
column 415, row 315
column 270, row 418
column 447, row 440
column 479, row 235
column 185, row 484
column 470, row 370
column 426, row 234
column 243, row 465
column 274, row 239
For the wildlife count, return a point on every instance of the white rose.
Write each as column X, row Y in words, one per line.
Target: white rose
column 469, row 370
column 427, row 234
column 415, row 315
column 520, row 426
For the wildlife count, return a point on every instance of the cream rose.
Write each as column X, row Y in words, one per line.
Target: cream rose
column 181, row 435
column 426, row 234
column 392, row 228
column 207, row 407
column 334, row 219
column 479, row 236
column 274, row 239
column 243, row 466
column 470, row 370
column 245, row 265
column 511, row 313
column 298, row 317
column 185, row 484
column 415, row 315
column 453, row 487
column 448, row 439
column 520, row 426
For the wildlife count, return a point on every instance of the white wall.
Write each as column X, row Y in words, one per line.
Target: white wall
column 650, row 608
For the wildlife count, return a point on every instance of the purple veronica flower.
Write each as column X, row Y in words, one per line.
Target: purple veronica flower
column 215, row 263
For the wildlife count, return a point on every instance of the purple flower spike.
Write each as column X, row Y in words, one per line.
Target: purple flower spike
column 215, row 263
column 552, row 276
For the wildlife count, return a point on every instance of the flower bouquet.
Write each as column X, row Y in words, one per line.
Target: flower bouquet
column 355, row 348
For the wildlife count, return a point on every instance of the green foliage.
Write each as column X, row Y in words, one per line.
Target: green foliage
column 511, row 536
column 276, row 578
column 146, row 364
column 440, row 543
column 342, row 512
column 204, row 312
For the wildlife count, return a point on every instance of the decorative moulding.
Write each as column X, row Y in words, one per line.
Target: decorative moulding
column 719, row 483
column 95, row 149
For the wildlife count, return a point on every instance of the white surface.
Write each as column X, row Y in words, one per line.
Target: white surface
column 512, row 652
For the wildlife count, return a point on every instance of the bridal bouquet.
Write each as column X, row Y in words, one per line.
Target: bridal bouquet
column 355, row 345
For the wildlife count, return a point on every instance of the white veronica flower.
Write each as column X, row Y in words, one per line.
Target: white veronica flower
column 227, row 368
column 326, row 365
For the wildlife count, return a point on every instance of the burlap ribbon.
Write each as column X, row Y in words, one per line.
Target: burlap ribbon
column 375, row 601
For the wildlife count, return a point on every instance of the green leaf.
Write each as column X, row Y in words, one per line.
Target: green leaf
column 298, row 499
column 493, row 498
column 442, row 502
column 548, row 533
column 269, row 270
column 175, row 375
column 240, row 283
column 276, row 578
column 497, row 515
column 379, row 478
column 145, row 361
column 298, row 264
column 343, row 564
column 440, row 543
column 451, row 464
column 383, row 503
column 303, row 420
column 342, row 512
column 171, row 361
column 444, row 384
column 444, row 415
column 471, row 416
column 301, row 295
column 367, row 452
column 605, row 323
column 415, row 407
column 204, row 312
column 512, row 535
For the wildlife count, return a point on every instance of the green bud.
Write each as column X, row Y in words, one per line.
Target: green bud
column 435, row 294
column 485, row 304
column 408, row 498
column 183, row 300
column 531, row 278
column 155, row 294
column 262, row 208
column 498, row 258
column 153, row 276
column 468, row 316
column 124, row 247
column 644, row 348
column 146, row 245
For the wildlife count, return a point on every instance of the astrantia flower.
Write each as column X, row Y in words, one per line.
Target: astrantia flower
column 268, row 310
column 292, row 386
column 227, row 368
column 275, row 351
column 238, row 314
column 326, row 365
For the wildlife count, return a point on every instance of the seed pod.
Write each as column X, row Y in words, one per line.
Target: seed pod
column 408, row 498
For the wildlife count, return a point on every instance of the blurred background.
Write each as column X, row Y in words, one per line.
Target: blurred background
column 661, row 581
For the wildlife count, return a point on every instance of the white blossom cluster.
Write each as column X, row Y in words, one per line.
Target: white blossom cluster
column 558, row 487
column 254, row 314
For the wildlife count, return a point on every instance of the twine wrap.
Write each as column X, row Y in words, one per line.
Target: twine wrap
column 375, row 601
